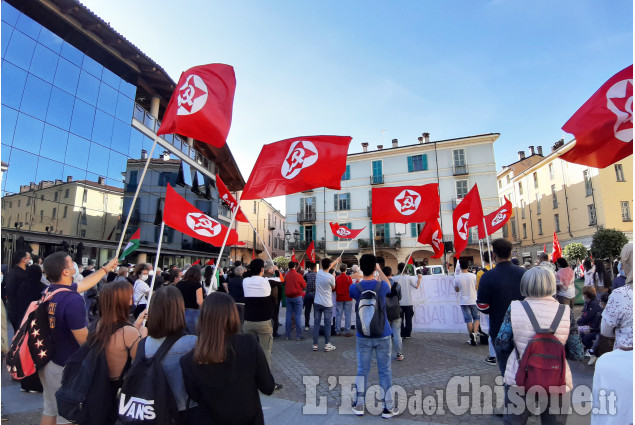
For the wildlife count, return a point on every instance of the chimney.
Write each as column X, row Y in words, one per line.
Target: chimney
column 539, row 150
column 166, row 155
column 57, row 181
column 521, row 155
column 558, row 144
column 426, row 137
column 531, row 151
column 420, row 139
column 144, row 154
column 380, row 147
column 395, row 143
column 365, row 147
column 101, row 180
column 69, row 179
column 32, row 185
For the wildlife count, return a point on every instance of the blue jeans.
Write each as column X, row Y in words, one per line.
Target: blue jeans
column 191, row 319
column 318, row 309
column 345, row 307
column 294, row 306
column 382, row 349
column 396, row 335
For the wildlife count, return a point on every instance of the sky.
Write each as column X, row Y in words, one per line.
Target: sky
column 354, row 68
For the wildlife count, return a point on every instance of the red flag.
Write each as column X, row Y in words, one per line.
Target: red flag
column 253, row 253
column 293, row 256
column 544, row 248
column 228, row 198
column 201, row 105
column 344, row 232
column 210, row 262
column 411, row 261
column 467, row 214
column 497, row 219
column 310, row 252
column 293, row 165
column 557, row 251
column 184, row 217
column 405, row 204
column 603, row 126
column 196, row 262
column 302, row 263
column 432, row 235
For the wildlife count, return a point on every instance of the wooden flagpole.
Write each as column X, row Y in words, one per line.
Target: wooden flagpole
column 156, row 264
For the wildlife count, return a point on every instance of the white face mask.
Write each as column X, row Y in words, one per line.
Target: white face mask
column 143, row 277
column 151, row 273
column 30, row 262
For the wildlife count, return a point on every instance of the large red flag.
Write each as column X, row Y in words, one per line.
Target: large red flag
column 557, row 251
column 302, row 265
column 432, row 235
column 298, row 164
column 184, row 217
column 603, row 126
column 405, row 204
column 229, row 199
column 310, row 252
column 497, row 219
column 201, row 105
column 344, row 232
column 293, row 257
column 467, row 214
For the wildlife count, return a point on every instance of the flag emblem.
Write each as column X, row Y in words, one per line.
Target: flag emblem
column 436, row 240
column 203, row 224
column 302, row 154
column 461, row 225
column 407, row 202
column 192, row 95
column 343, row 232
column 619, row 102
column 499, row 217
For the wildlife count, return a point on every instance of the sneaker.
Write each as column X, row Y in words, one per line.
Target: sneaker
column 387, row 414
column 348, row 334
column 476, row 337
column 327, row 347
column 399, row 356
column 407, row 337
column 277, row 387
column 592, row 360
column 587, row 354
column 314, row 347
column 306, row 328
column 472, row 340
column 490, row 360
column 358, row 409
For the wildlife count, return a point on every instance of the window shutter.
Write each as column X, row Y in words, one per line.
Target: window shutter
column 302, row 204
column 348, row 201
column 413, row 229
column 424, row 161
column 387, row 232
column 301, row 233
column 411, row 166
column 335, row 202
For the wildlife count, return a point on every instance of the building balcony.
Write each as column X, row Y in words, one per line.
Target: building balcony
column 378, row 179
column 252, row 245
column 460, row 170
column 369, row 211
column 271, row 225
column 306, row 216
column 380, row 243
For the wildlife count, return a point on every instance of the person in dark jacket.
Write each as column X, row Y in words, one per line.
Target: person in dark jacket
column 591, row 317
column 226, row 369
column 393, row 311
column 276, row 290
column 16, row 278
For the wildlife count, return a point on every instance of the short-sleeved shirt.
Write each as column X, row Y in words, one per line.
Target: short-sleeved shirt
column 67, row 313
column 466, row 282
column 188, row 289
column 369, row 285
column 407, row 283
column 324, row 284
column 140, row 288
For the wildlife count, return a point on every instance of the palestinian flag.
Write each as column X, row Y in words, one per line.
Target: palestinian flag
column 132, row 246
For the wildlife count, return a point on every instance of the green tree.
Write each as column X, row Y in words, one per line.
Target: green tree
column 608, row 243
column 281, row 262
column 574, row 252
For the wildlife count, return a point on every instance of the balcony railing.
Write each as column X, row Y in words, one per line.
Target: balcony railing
column 369, row 211
column 460, row 170
column 380, row 243
column 271, row 225
column 377, row 179
column 251, row 245
column 306, row 216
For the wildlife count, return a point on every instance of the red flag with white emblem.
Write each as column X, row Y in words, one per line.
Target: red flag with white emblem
column 298, row 164
column 497, row 219
column 603, row 126
column 467, row 214
column 228, row 198
column 184, row 217
column 557, row 251
column 433, row 236
column 201, row 105
column 344, row 232
column 405, row 204
column 310, row 252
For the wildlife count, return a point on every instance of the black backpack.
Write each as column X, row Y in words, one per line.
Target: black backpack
column 393, row 310
column 146, row 397
column 370, row 311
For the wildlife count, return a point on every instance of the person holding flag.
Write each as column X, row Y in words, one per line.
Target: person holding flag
column 407, row 283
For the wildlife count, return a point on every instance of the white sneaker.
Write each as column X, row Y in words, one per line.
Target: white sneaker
column 592, row 360
column 329, row 347
column 389, row 413
column 358, row 409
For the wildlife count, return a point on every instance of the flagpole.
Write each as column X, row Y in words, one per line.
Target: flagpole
column 263, row 242
column 136, row 195
column 480, row 249
column 489, row 249
column 222, row 248
column 408, row 259
column 156, row 264
column 372, row 235
column 345, row 248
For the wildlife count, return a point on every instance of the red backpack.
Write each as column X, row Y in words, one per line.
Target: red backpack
column 544, row 360
column 32, row 346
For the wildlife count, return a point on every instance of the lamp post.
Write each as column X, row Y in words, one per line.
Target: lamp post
column 292, row 238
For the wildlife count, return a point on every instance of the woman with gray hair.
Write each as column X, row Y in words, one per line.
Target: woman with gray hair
column 538, row 285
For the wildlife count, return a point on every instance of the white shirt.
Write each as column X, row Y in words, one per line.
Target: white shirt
column 614, row 373
column 466, row 282
column 140, row 290
column 324, row 284
column 256, row 286
column 407, row 283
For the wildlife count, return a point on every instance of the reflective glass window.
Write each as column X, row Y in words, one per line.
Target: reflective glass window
column 107, row 99
column 120, row 136
column 73, row 172
column 44, row 63
column 98, row 159
column 21, row 170
column 54, row 143
column 116, row 166
column 92, row 66
column 67, row 76
column 135, row 144
column 77, row 151
column 125, row 106
column 110, row 78
column 7, row 30
column 12, row 81
column 9, row 13
column 28, row 26
column 20, row 50
column 82, row 120
column 128, row 89
column 102, row 128
column 28, row 133
column 72, row 54
column 60, row 108
column 147, row 145
column 35, row 100
column 9, row 117
column 88, row 88
column 50, row 40
column 5, row 153
column 49, row 170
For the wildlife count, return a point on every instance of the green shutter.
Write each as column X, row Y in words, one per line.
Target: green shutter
column 335, row 202
column 387, row 232
column 413, row 229
column 411, row 166
column 424, row 161
column 301, row 233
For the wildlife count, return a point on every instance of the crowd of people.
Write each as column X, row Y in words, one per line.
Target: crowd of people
column 214, row 337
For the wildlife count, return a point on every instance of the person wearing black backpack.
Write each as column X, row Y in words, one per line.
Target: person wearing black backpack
column 533, row 341
column 393, row 311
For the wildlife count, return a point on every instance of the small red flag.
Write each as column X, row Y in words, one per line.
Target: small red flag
column 557, row 251
column 405, row 204
column 432, row 235
column 210, row 262
column 184, row 217
column 344, row 232
column 497, row 219
column 196, row 262
column 411, row 261
column 201, row 105
column 603, row 126
column 544, row 248
column 310, row 252
column 253, row 253
column 293, row 165
column 467, row 214
column 228, row 198
column 293, row 256
column 302, row 263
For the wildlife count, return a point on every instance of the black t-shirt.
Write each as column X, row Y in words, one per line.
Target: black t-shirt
column 235, row 286
column 188, row 289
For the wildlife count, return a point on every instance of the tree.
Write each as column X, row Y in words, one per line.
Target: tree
column 608, row 243
column 281, row 262
column 574, row 252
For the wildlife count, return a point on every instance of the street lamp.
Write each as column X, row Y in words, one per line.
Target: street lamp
column 292, row 238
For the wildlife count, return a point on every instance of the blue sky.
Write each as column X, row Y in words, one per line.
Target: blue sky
column 451, row 68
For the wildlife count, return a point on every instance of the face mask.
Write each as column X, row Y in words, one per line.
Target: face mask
column 143, row 277
column 30, row 263
column 151, row 273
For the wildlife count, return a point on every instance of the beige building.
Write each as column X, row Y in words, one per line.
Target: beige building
column 549, row 194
